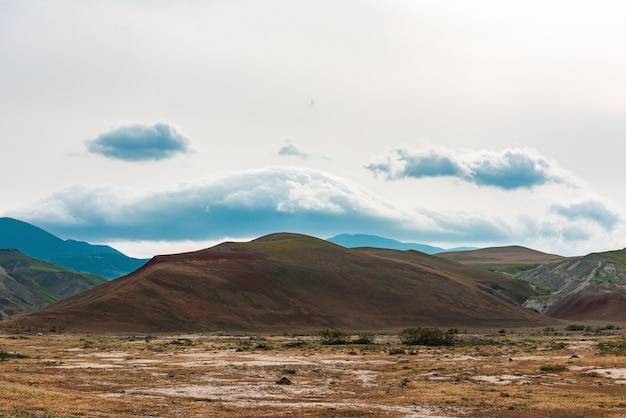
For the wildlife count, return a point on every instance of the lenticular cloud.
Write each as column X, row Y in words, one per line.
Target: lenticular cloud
column 140, row 142
column 509, row 170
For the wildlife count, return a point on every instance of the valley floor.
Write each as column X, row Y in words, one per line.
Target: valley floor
column 539, row 373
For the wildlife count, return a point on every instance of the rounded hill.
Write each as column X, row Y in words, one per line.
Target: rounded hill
column 287, row 283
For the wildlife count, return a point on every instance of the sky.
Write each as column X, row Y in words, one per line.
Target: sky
column 160, row 127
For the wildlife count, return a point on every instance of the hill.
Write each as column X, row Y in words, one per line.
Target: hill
column 510, row 259
column 285, row 283
column 580, row 287
column 588, row 288
column 101, row 260
column 374, row 241
column 28, row 284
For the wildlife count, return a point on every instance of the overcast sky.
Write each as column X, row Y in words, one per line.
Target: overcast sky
column 159, row 127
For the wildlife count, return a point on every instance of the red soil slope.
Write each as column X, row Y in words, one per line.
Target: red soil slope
column 281, row 283
column 592, row 303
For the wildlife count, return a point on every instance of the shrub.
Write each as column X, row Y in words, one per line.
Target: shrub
column 333, row 336
column 364, row 339
column 553, row 368
column 5, row 355
column 427, row 336
column 575, row 327
column 615, row 347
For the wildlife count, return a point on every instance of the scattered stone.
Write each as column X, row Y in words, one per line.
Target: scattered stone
column 284, row 381
column 403, row 360
column 289, row 371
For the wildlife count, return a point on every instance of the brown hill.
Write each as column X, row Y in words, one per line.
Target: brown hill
column 592, row 303
column 284, row 283
column 510, row 259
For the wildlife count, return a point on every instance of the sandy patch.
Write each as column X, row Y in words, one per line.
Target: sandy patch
column 88, row 365
column 616, row 373
column 503, row 379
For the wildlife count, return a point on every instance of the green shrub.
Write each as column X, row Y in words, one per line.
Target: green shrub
column 427, row 336
column 575, row 327
column 364, row 339
column 5, row 355
column 333, row 337
column 614, row 347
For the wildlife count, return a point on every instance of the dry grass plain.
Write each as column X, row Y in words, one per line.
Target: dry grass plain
column 515, row 373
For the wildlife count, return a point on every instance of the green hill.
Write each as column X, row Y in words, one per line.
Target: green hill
column 28, row 284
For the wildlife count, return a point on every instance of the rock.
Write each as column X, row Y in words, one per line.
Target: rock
column 284, row 381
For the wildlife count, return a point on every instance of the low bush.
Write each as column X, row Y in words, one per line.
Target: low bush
column 614, row 347
column 553, row 368
column 364, row 339
column 5, row 355
column 575, row 327
column 427, row 336
column 333, row 337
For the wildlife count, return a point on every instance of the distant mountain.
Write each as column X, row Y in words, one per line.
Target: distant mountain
column 374, row 241
column 291, row 283
column 101, row 260
column 28, row 284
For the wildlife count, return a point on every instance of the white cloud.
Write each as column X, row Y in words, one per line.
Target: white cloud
column 140, row 142
column 252, row 203
column 290, row 150
column 248, row 203
column 510, row 169
column 590, row 210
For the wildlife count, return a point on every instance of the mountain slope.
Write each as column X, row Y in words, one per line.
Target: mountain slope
column 591, row 303
column 510, row 259
column 600, row 277
column 281, row 283
column 502, row 286
column 28, row 284
column 101, row 260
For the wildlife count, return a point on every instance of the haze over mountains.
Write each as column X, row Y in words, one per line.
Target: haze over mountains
column 362, row 240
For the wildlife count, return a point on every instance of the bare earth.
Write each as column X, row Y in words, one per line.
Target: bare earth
column 517, row 374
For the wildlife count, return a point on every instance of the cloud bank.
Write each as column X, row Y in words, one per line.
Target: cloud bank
column 248, row 203
column 140, row 142
column 508, row 170
column 253, row 203
column 590, row 210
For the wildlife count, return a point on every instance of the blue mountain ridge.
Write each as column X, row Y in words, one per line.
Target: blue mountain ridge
column 375, row 241
column 102, row 260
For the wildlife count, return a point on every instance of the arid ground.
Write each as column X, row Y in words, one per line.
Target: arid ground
column 507, row 373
